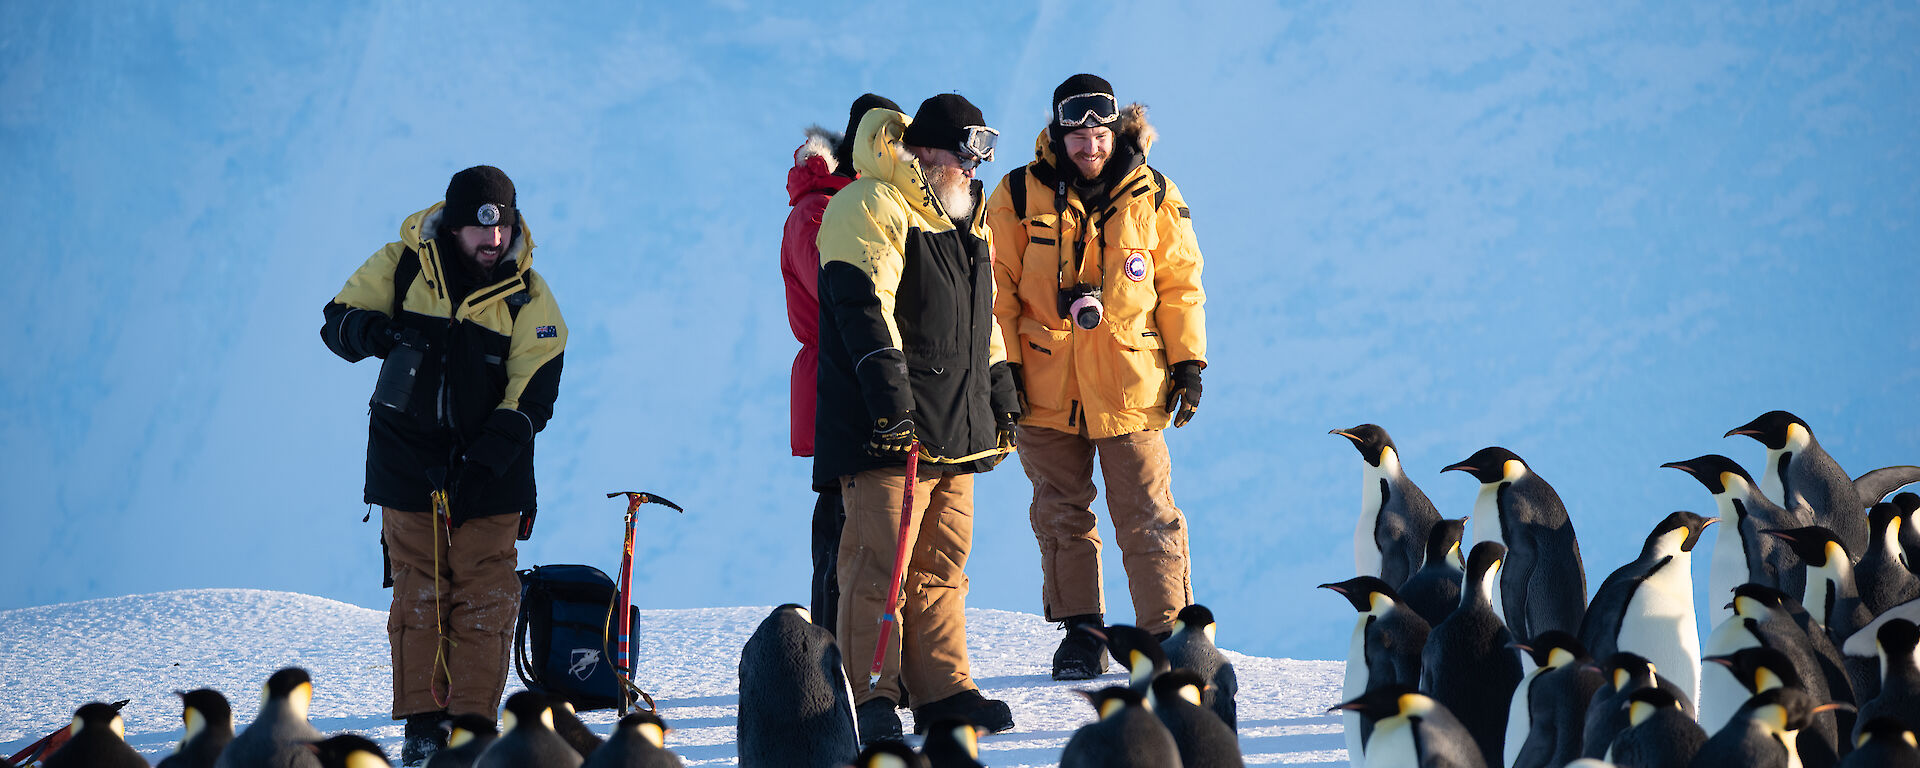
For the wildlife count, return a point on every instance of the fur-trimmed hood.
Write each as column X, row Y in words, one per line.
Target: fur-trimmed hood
column 1133, row 128
column 814, row 166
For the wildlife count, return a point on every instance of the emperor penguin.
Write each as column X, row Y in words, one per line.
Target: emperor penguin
column 1659, row 733
column 1899, row 696
column 1385, row 649
column 1646, row 606
column 1469, row 664
column 1607, row 712
column 567, row 723
column 639, row 741
column 1434, row 590
column 1762, row 734
column 1204, row 741
column 1781, row 624
column 953, row 743
column 1191, row 646
column 889, row 754
column 1884, row 573
column 1550, row 707
column 1908, row 503
column 1127, row 735
column 96, row 739
column 1394, row 514
column 527, row 738
column 1832, row 592
column 467, row 736
column 796, row 706
column 1543, row 584
column 349, row 750
column 1884, row 743
column 1414, row 730
column 1742, row 553
column 1138, row 651
column 1799, row 473
column 279, row 734
column 1762, row 669
column 209, row 725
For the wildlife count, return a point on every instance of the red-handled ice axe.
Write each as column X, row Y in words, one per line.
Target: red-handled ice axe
column 891, row 618
column 623, row 614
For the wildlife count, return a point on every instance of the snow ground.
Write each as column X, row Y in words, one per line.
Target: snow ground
column 144, row 647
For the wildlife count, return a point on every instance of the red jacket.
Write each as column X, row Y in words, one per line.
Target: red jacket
column 809, row 184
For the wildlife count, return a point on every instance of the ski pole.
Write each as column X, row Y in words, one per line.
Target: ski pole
column 623, row 616
column 890, row 618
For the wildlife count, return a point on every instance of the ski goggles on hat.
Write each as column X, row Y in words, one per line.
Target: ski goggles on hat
column 1086, row 110
column 977, row 147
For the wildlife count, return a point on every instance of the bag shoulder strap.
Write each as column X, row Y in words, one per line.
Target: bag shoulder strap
column 403, row 274
column 1159, row 188
column 1017, row 187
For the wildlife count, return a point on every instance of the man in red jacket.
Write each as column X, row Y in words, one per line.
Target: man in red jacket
column 821, row 166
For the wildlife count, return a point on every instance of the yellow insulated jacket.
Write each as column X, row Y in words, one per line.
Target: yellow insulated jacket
column 1138, row 246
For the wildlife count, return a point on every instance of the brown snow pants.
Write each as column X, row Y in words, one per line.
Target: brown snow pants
column 1151, row 531
column 465, row 633
column 927, row 654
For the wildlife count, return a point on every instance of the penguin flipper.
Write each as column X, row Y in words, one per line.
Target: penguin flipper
column 1226, row 684
column 1876, row 485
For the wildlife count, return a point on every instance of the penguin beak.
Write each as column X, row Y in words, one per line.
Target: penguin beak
column 1521, row 647
column 1334, row 587
column 1740, row 431
column 1679, row 465
column 1720, row 660
column 1781, row 535
column 1461, row 467
column 1345, row 434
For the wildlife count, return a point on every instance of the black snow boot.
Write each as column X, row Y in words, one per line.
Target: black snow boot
column 878, row 721
column 991, row 714
column 1082, row 655
column 426, row 733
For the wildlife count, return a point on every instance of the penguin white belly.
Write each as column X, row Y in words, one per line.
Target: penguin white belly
column 1486, row 527
column 1519, row 719
column 1770, row 482
column 1366, row 551
column 1355, row 684
column 1720, row 694
column 1726, row 571
column 1659, row 625
column 1392, row 745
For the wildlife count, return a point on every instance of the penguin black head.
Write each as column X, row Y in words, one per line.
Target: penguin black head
column 1714, row 471
column 1773, row 429
column 1815, row 545
column 204, row 708
column 349, row 750
column 98, row 716
column 1881, row 515
column 647, row 725
column 1194, row 616
column 1784, row 709
column 1491, row 465
column 1485, row 559
column 1360, row 591
column 889, row 754
column 525, row 709
column 1388, row 701
column 1114, row 699
column 1750, row 599
column 1681, row 520
column 1887, row 730
column 1554, row 648
column 1907, row 501
column 805, row 615
column 465, row 728
column 1625, row 668
column 1897, row 638
column 952, row 736
column 1137, row 650
column 1181, row 683
column 292, row 685
column 1370, row 440
column 1443, row 540
column 1760, row 668
column 1646, row 702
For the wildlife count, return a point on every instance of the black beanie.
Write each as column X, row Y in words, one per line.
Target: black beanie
column 470, row 194
column 942, row 122
column 1075, row 86
column 843, row 154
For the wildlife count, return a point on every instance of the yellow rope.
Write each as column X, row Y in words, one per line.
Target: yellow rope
column 442, row 521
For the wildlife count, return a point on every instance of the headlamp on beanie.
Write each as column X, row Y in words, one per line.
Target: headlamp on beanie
column 481, row 196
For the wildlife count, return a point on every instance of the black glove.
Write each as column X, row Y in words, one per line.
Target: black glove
column 504, row 435
column 892, row 436
column 374, row 333
column 1004, row 423
column 1184, row 398
column 1019, row 386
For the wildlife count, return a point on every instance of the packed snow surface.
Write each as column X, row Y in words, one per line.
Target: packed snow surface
column 144, row 647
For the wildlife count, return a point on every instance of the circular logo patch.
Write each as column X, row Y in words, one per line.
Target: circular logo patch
column 1137, row 266
column 489, row 215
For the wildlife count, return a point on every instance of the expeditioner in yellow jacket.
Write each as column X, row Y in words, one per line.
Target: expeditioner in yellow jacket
column 1098, row 297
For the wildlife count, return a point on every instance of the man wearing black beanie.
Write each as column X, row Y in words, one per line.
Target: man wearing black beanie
column 821, row 166
column 472, row 342
column 911, row 365
column 1100, row 301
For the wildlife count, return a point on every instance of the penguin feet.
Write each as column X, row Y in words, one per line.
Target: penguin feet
column 990, row 714
column 426, row 733
column 878, row 721
column 1081, row 655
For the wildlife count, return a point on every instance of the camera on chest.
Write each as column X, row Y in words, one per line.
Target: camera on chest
column 1080, row 303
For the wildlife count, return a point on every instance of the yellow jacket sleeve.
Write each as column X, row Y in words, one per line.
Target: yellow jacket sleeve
column 1009, row 241
column 1180, row 314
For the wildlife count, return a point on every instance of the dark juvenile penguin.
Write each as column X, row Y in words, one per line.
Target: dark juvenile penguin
column 1884, row 573
column 1900, row 675
column 1394, row 515
column 567, row 723
column 1607, row 711
column 796, row 706
column 1434, row 590
column 1799, row 473
column 1761, row 669
column 209, row 724
column 1191, row 646
column 889, row 754
column 953, row 743
column 1469, row 664
column 1549, row 709
column 1125, row 736
column 1884, row 743
column 527, row 738
column 1413, row 729
column 1385, row 649
column 96, row 739
column 1204, row 741
column 279, row 734
column 1659, row 733
column 467, row 737
column 349, row 750
column 1646, row 607
column 1138, row 651
column 1543, row 584
column 1762, row 733
column 1742, row 554
column 639, row 741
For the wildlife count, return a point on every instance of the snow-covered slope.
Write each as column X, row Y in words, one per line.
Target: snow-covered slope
column 145, row 647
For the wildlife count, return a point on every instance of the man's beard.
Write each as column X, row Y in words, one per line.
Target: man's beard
column 953, row 188
column 1081, row 162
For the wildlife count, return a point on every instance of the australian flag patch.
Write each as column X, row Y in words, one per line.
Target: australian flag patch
column 545, row 332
